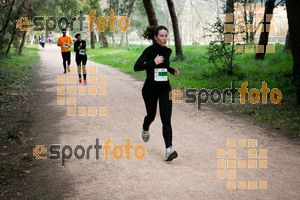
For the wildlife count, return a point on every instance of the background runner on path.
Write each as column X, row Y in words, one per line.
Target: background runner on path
column 65, row 43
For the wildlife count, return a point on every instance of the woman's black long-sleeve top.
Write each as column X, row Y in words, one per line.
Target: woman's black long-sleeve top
column 146, row 62
column 77, row 44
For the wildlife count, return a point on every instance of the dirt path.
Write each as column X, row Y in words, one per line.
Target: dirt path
column 197, row 136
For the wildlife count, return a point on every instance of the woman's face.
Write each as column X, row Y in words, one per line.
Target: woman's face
column 79, row 38
column 162, row 37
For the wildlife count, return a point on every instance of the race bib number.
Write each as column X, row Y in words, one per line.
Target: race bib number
column 65, row 45
column 161, row 74
column 82, row 52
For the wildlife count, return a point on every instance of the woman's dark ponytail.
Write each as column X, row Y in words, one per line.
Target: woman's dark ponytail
column 152, row 31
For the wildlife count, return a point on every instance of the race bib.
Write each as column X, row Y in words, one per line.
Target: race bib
column 81, row 51
column 161, row 74
column 65, row 45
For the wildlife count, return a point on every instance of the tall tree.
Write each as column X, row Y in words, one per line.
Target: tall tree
column 14, row 32
column 287, row 45
column 175, row 28
column 293, row 15
column 264, row 36
column 150, row 13
column 126, row 8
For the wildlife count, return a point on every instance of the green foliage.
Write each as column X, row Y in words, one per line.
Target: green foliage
column 15, row 70
column 220, row 53
column 196, row 70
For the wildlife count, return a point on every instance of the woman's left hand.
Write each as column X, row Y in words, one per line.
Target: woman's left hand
column 176, row 72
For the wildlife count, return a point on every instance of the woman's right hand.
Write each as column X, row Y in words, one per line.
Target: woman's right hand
column 159, row 59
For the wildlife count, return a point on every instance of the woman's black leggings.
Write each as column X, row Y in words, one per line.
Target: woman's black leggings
column 151, row 95
column 81, row 59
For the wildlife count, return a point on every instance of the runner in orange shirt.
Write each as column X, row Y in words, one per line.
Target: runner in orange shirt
column 65, row 43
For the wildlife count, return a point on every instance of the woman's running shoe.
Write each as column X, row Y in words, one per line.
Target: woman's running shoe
column 171, row 154
column 145, row 135
column 80, row 80
column 85, row 82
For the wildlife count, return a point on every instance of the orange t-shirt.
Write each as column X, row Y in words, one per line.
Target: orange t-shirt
column 65, row 41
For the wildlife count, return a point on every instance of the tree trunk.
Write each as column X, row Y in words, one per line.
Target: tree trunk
column 246, row 21
column 294, row 28
column 251, row 21
column 175, row 28
column 113, row 40
column 122, row 39
column 150, row 13
column 129, row 14
column 14, row 29
column 264, row 36
column 2, row 31
column 104, row 40
column 92, row 40
column 287, row 45
column 127, row 39
column 22, row 43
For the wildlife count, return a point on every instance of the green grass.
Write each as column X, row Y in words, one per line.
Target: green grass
column 15, row 70
column 197, row 72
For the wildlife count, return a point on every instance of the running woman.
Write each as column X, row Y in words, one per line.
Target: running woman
column 80, row 49
column 42, row 41
column 65, row 43
column 50, row 39
column 155, row 60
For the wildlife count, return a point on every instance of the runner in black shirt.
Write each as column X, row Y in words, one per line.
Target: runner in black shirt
column 80, row 49
column 155, row 60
